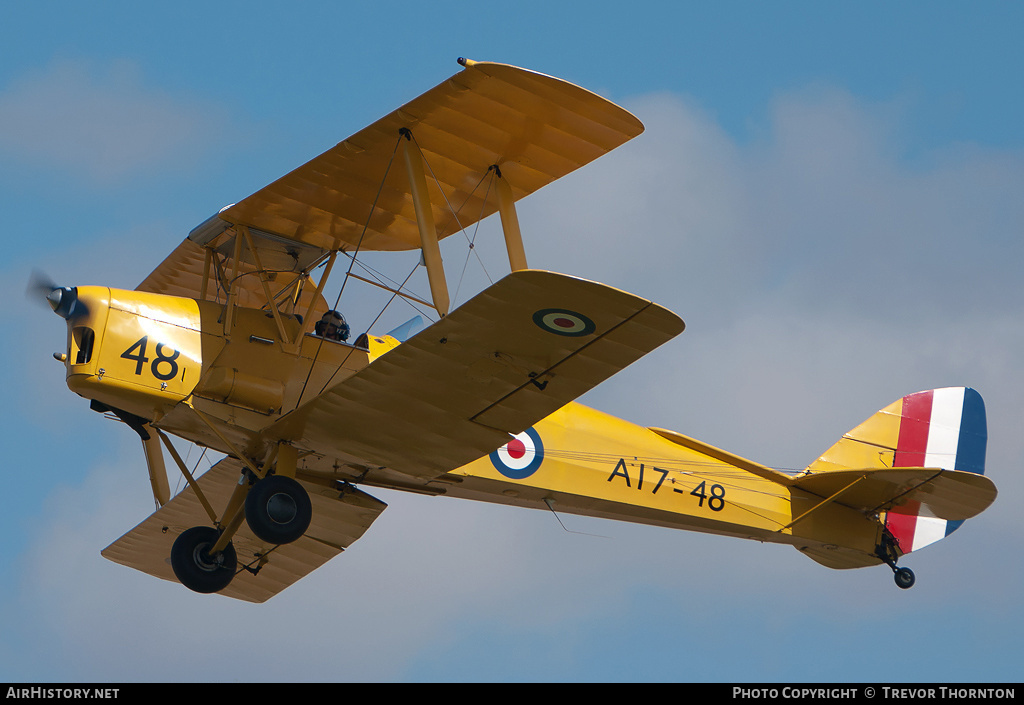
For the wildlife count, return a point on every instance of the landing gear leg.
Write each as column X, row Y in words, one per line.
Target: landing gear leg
column 886, row 551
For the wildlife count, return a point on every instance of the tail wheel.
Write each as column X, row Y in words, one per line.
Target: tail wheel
column 196, row 567
column 904, row 578
column 278, row 509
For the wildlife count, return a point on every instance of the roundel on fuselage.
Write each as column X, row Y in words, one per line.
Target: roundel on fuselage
column 520, row 457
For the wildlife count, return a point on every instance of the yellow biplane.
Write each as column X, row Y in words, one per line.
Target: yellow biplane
column 230, row 344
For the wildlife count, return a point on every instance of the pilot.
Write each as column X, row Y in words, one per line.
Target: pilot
column 332, row 326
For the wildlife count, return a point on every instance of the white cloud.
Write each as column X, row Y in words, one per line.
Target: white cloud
column 821, row 210
column 101, row 122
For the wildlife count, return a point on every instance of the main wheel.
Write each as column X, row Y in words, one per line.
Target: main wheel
column 195, row 567
column 278, row 509
column 904, row 578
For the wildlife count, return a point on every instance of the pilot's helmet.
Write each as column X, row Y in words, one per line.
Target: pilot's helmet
column 333, row 325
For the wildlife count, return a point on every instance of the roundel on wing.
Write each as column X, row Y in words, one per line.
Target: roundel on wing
column 563, row 322
column 520, row 457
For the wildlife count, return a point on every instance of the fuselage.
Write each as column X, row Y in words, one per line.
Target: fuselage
column 164, row 358
column 583, row 461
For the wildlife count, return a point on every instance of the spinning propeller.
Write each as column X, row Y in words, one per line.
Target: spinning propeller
column 62, row 299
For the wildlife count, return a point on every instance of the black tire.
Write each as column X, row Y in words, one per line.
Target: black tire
column 195, row 567
column 278, row 509
column 904, row 578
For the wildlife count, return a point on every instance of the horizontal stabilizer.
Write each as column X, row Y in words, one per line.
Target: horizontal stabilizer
column 944, row 494
column 337, row 523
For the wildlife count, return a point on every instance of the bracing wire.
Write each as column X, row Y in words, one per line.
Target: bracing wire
column 353, row 256
column 451, row 209
column 397, row 289
column 195, row 468
column 366, row 225
column 394, row 294
column 472, row 242
column 337, row 302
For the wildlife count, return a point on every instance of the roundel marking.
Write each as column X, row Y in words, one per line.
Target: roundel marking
column 563, row 322
column 520, row 457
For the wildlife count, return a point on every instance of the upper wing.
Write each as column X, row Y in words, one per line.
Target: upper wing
column 499, row 363
column 534, row 127
column 337, row 523
column 945, row 494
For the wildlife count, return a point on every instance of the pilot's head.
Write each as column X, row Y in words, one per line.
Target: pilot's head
column 333, row 326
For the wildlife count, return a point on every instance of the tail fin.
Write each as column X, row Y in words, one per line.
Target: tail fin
column 939, row 428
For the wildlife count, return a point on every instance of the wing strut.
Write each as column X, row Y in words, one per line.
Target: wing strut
column 157, row 468
column 185, row 473
column 425, row 221
column 271, row 301
column 510, row 223
column 307, row 319
column 428, row 232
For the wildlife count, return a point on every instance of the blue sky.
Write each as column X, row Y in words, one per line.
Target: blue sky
column 831, row 195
